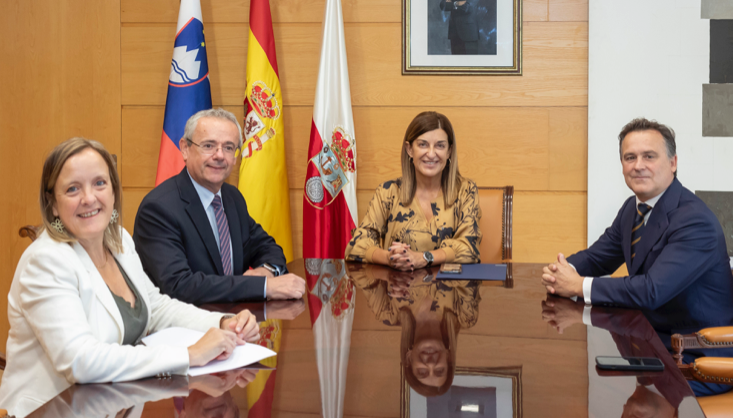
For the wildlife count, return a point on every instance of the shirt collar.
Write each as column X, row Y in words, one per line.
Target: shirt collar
column 651, row 202
column 204, row 194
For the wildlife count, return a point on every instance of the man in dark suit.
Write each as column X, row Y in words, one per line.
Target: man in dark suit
column 462, row 27
column 193, row 233
column 672, row 244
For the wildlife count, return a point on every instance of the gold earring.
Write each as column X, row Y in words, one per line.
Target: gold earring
column 58, row 225
column 115, row 217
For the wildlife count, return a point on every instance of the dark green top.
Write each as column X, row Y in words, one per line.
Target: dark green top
column 134, row 319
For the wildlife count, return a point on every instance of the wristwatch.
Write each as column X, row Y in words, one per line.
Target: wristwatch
column 428, row 256
column 272, row 269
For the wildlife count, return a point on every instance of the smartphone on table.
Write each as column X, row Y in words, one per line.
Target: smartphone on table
column 650, row 364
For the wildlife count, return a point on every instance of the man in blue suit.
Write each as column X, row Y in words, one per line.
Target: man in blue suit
column 672, row 244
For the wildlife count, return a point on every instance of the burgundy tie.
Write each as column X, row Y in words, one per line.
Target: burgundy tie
column 223, row 226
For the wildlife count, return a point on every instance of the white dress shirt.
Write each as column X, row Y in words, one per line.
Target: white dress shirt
column 588, row 281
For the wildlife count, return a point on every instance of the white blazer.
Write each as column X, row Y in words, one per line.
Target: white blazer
column 65, row 326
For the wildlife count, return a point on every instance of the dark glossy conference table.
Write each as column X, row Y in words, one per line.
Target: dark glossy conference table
column 339, row 354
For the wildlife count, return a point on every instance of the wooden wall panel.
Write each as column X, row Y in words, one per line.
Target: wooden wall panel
column 555, row 67
column 546, row 223
column 534, row 10
column 568, row 10
column 300, row 11
column 60, row 72
column 568, row 148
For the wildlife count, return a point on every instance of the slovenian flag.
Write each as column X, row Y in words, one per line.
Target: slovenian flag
column 329, row 199
column 189, row 90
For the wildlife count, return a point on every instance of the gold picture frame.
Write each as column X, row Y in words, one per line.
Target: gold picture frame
column 427, row 28
column 514, row 374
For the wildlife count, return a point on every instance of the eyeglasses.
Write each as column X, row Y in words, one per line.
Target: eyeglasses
column 210, row 148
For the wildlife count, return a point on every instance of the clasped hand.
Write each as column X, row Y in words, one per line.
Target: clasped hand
column 561, row 279
column 401, row 257
column 219, row 343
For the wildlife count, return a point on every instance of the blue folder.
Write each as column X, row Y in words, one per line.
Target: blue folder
column 476, row 272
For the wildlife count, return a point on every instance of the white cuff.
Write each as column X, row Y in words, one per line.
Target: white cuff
column 264, row 291
column 587, row 285
column 586, row 315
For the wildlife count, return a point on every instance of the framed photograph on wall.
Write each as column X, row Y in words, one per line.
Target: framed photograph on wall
column 462, row 37
column 481, row 392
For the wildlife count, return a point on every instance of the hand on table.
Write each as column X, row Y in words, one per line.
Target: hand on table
column 561, row 313
column 561, row 279
column 217, row 384
column 215, row 344
column 244, row 325
column 287, row 286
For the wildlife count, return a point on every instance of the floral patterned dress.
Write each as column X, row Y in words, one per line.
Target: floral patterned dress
column 455, row 230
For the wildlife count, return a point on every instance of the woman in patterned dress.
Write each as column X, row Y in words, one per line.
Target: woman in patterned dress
column 428, row 216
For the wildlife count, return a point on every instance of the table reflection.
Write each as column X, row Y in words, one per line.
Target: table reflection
column 657, row 394
column 200, row 396
column 430, row 313
column 371, row 341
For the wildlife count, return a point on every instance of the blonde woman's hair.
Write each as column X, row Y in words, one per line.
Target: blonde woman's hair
column 51, row 170
column 451, row 179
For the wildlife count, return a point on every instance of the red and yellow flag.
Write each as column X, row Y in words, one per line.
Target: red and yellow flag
column 261, row 391
column 263, row 175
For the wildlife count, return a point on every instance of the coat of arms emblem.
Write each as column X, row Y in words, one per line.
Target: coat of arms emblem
column 333, row 162
column 264, row 106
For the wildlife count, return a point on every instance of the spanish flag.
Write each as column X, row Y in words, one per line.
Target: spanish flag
column 263, row 175
column 261, row 391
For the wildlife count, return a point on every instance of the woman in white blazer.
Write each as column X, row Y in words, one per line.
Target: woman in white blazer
column 80, row 299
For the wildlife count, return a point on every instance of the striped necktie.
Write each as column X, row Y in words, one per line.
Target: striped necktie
column 641, row 210
column 223, row 226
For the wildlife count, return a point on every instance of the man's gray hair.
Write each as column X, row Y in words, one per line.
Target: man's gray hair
column 218, row 113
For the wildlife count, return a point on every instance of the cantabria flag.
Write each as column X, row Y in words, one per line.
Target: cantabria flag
column 263, row 175
column 329, row 200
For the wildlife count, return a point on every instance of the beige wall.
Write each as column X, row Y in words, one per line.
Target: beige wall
column 100, row 69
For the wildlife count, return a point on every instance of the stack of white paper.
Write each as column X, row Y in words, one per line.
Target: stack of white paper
column 243, row 355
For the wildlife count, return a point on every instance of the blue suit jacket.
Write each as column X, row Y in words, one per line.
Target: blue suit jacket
column 681, row 273
column 177, row 247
